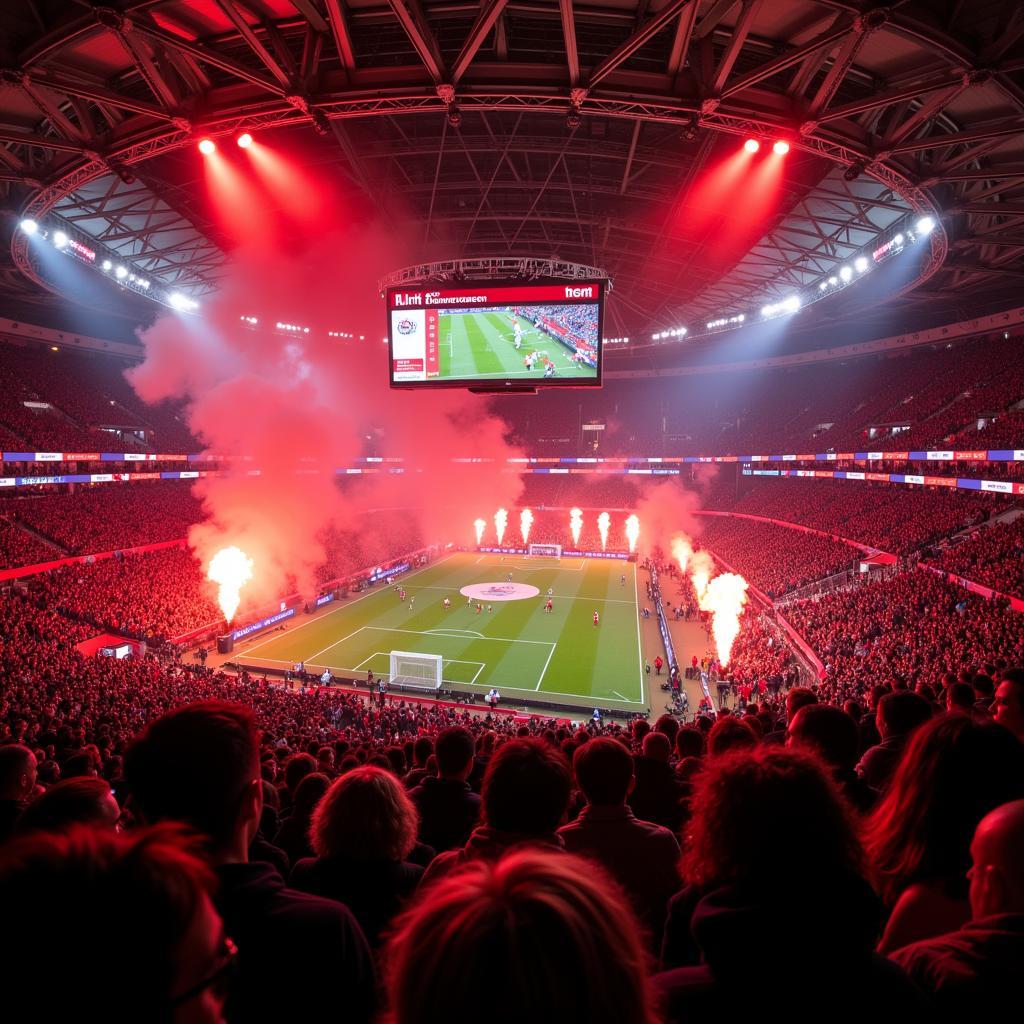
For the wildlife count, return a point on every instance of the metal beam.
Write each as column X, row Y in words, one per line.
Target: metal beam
column 785, row 61
column 410, row 16
column 489, row 11
column 888, row 98
column 638, row 39
column 569, row 36
column 980, row 133
column 247, row 33
column 342, row 35
column 735, row 44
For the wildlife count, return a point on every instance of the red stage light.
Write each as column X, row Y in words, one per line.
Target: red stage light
column 207, row 146
column 751, row 145
column 780, row 148
column 244, row 140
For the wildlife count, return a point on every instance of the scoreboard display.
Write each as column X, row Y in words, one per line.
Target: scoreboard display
column 496, row 335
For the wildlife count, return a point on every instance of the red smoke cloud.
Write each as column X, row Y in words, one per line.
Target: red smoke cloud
column 286, row 400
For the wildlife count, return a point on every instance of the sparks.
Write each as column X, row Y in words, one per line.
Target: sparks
column 525, row 522
column 603, row 522
column 725, row 597
column 632, row 532
column 575, row 524
column 478, row 525
column 500, row 522
column 230, row 569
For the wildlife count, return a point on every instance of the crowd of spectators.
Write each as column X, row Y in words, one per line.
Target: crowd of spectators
column 17, row 547
column 906, row 630
column 107, row 517
column 895, row 519
column 993, row 556
column 775, row 559
column 412, row 859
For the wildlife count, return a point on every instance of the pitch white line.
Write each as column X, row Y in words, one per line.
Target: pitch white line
column 420, row 632
column 639, row 645
column 545, row 668
column 555, row 597
column 347, row 604
column 626, row 699
column 457, row 633
column 341, row 641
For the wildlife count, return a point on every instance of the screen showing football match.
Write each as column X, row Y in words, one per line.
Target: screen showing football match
column 530, row 333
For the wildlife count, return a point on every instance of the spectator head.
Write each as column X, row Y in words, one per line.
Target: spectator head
column 984, row 688
column 79, row 766
column 901, row 712
column 669, row 725
column 309, row 793
column 296, row 768
column 689, row 742
column 18, row 772
column 997, row 868
column 421, row 750
column 828, row 732
column 756, row 813
column 526, row 788
column 325, row 758
column 82, row 801
column 537, row 936
column 657, row 747
column 145, row 899
column 953, row 771
column 604, row 771
column 797, row 698
column 640, row 728
column 1008, row 706
column 200, row 765
column 366, row 816
column 959, row 697
column 454, row 749
column 731, row 733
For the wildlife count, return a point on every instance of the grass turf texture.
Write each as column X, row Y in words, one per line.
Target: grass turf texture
column 481, row 345
column 525, row 652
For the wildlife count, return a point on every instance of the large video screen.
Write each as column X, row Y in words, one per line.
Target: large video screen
column 496, row 335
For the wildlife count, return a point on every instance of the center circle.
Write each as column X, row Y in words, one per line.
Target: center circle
column 499, row 591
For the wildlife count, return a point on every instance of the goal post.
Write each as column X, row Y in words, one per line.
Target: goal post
column 548, row 550
column 417, row 671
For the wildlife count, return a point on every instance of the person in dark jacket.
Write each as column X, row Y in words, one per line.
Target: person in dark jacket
column 776, row 871
column 898, row 715
column 447, row 807
column 525, row 797
column 655, row 795
column 363, row 832
column 641, row 856
column 300, row 956
column 17, row 784
column 974, row 972
column 293, row 834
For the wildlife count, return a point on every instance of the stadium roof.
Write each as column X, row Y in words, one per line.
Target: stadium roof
column 539, row 127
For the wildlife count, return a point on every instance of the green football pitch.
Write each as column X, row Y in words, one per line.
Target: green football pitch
column 475, row 345
column 518, row 647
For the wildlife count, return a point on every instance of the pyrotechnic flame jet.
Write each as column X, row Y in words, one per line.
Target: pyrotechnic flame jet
column 230, row 568
column 725, row 597
column 575, row 524
column 478, row 525
column 525, row 522
column 632, row 532
column 500, row 522
column 603, row 522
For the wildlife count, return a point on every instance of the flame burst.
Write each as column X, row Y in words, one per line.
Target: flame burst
column 701, row 568
column 575, row 524
column 500, row 522
column 230, row 569
column 478, row 525
column 603, row 522
column 682, row 551
column 725, row 597
column 632, row 532
column 525, row 522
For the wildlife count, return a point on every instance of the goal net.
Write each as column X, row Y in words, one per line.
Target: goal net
column 419, row 671
column 549, row 550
